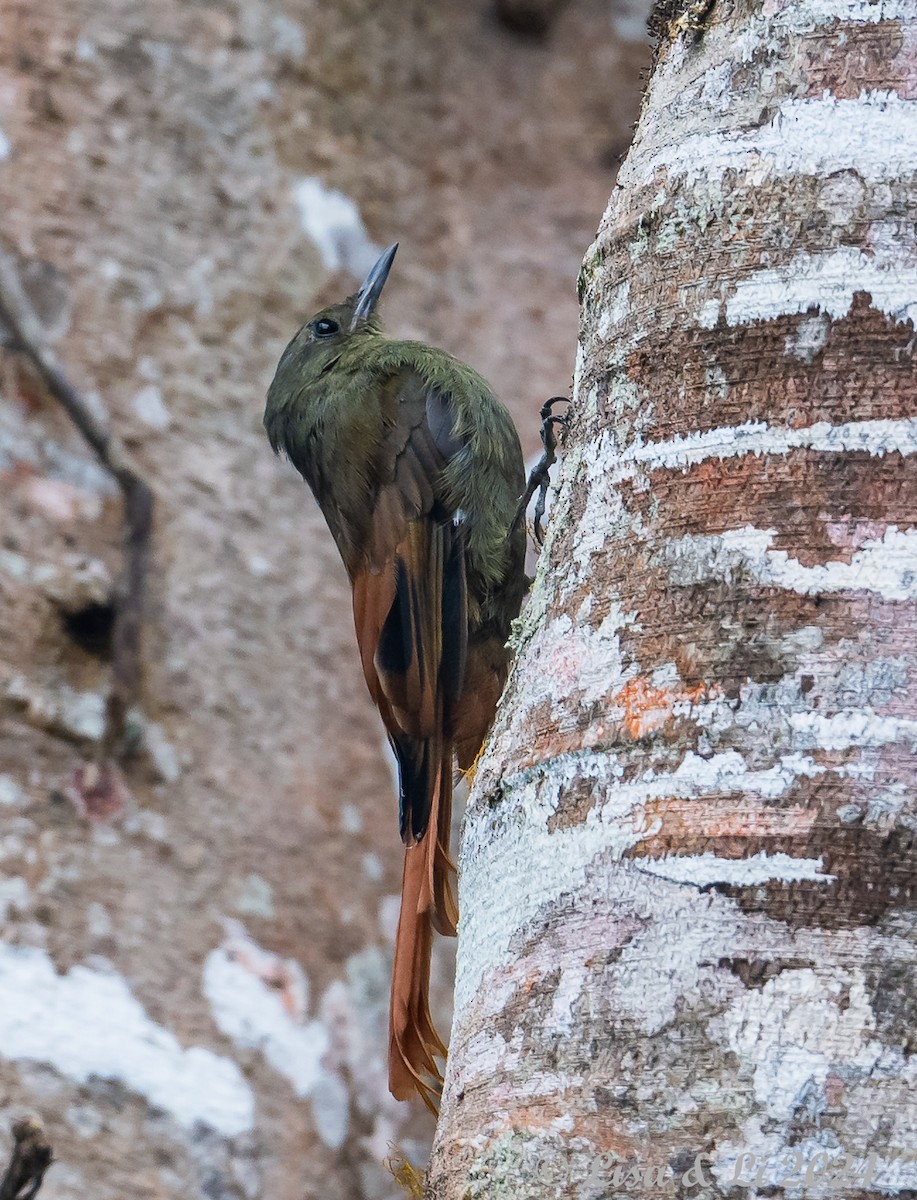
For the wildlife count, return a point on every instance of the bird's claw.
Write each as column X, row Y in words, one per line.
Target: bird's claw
column 539, row 478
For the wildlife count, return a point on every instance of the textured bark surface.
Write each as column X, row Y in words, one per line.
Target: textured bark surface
column 689, row 860
column 194, row 978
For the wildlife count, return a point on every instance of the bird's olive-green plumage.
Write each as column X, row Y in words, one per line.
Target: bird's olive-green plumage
column 327, row 410
column 418, row 471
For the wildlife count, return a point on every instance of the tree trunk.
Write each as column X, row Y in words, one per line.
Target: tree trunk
column 688, row 947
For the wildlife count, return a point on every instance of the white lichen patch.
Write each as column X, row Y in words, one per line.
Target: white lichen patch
column 797, row 1028
column 87, row 1024
column 259, row 1002
column 562, row 1017
column 725, row 772
column 255, row 897
column 151, row 409
column 877, row 437
column 797, row 723
column 11, row 794
column 14, row 893
column 800, row 15
column 333, row 222
column 70, row 713
column 569, row 657
column 850, row 727
column 251, row 1013
column 603, row 510
column 700, row 870
column 874, row 135
column 615, row 309
column 355, row 1012
column 766, row 35
column 896, row 1171
column 551, row 863
column 810, row 338
column 886, row 566
column 826, row 281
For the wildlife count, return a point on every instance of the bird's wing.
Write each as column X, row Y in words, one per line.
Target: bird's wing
column 410, row 589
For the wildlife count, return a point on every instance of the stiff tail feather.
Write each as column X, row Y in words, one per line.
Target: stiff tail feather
column 438, row 896
column 413, row 1040
column 427, row 903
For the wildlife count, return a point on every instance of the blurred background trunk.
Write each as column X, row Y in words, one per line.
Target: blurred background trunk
column 194, row 976
column 688, row 870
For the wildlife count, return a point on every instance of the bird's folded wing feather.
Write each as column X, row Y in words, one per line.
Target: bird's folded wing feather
column 410, row 593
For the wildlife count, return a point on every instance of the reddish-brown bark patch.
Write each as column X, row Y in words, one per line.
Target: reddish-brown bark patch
column 857, row 56
column 728, row 823
column 821, row 506
column 865, row 371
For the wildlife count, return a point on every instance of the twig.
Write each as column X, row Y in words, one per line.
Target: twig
column 30, row 1159
column 17, row 314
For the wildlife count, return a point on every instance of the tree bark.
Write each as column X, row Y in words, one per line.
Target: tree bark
column 688, row 951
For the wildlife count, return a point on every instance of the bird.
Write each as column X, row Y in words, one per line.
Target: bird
column 418, row 470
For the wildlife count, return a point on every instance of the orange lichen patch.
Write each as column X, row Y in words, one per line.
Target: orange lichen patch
column 647, row 708
column 636, row 709
column 550, row 1114
column 608, row 1143
column 692, row 824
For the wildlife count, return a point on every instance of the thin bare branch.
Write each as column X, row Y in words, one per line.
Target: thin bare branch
column 17, row 314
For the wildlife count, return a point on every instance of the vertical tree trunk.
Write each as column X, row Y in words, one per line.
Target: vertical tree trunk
column 688, row 953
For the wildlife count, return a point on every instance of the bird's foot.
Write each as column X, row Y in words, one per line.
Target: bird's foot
column 539, row 478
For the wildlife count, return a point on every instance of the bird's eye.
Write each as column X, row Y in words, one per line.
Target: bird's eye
column 326, row 327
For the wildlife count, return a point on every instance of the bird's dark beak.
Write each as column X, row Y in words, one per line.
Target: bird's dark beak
column 369, row 293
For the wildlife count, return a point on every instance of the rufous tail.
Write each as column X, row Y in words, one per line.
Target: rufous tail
column 427, row 903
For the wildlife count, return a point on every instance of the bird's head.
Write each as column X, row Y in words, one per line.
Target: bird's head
column 321, row 342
